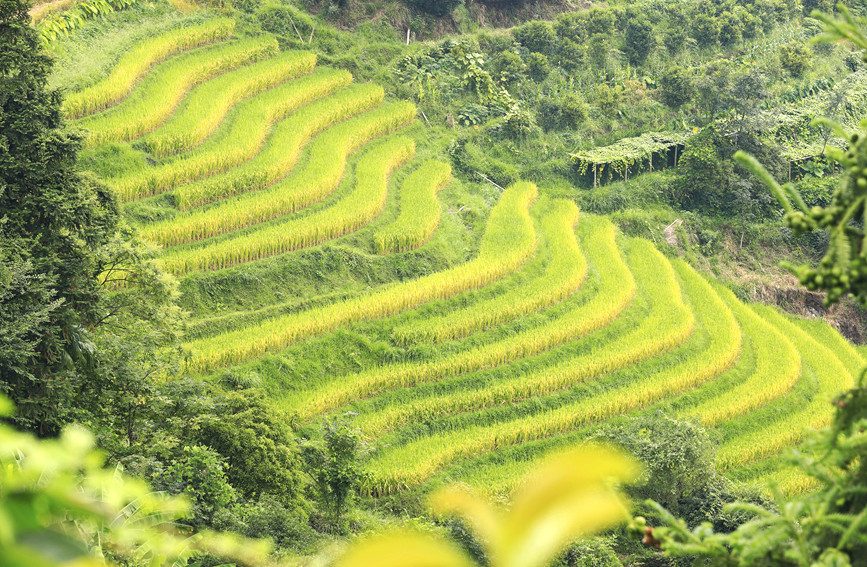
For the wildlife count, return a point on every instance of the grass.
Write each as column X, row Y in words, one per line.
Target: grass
column 282, row 149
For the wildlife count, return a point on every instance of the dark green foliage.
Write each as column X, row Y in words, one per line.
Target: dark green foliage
column 538, row 66
column 56, row 218
column 795, row 58
column 537, row 36
column 608, row 98
column 518, row 122
column 675, row 86
column 639, row 38
column 199, row 473
column 286, row 21
column 509, row 68
column 573, row 110
column 591, row 552
column 333, row 463
column 705, row 30
column 253, row 437
column 729, row 28
column 677, row 457
column 709, row 180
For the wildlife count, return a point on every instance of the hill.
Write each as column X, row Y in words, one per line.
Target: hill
column 441, row 249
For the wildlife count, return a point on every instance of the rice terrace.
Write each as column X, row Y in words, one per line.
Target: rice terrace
column 470, row 293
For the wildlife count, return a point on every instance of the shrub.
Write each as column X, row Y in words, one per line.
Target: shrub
column 675, row 86
column 518, row 122
column 573, row 110
column 639, row 39
column 795, row 58
column 608, row 98
column 729, row 28
column 705, row 30
column 537, row 36
column 538, row 66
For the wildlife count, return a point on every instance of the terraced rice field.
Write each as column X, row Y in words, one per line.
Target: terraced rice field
column 259, row 169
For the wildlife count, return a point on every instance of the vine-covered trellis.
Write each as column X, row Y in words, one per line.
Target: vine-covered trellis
column 629, row 153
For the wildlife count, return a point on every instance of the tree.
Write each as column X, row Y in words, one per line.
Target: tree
column 334, row 466
column 675, row 86
column 639, row 38
column 89, row 320
column 795, row 58
column 705, row 30
column 537, row 36
column 57, row 218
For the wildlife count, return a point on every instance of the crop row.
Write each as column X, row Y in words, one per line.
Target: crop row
column 282, row 149
column 834, row 341
column 419, row 209
column 320, row 176
column 778, row 365
column 351, row 213
column 416, row 461
column 616, row 290
column 508, row 241
column 250, row 125
column 206, row 106
column 133, row 66
column 140, row 113
column 565, row 270
column 669, row 323
column 769, row 439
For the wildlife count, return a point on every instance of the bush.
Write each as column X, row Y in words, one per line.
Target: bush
column 639, row 39
column 608, row 98
column 573, row 110
column 537, row 36
column 518, row 122
column 705, row 30
column 795, row 58
column 675, row 86
column 538, row 67
column 284, row 21
column 509, row 68
column 729, row 28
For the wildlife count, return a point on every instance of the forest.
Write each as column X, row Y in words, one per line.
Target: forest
column 433, row 283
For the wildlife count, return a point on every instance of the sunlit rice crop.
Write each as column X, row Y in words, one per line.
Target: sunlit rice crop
column 320, row 176
column 168, row 84
column 508, row 240
column 140, row 59
column 250, row 126
column 419, row 209
column 206, row 106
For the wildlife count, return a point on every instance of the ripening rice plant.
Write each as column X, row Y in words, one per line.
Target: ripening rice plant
column 508, row 241
column 349, row 214
column 419, row 209
column 412, row 463
column 249, row 125
column 320, row 176
column 140, row 59
column 778, row 366
column 564, row 271
column 669, row 323
column 616, row 290
column 768, row 439
column 140, row 113
column 831, row 339
column 206, row 106
column 283, row 146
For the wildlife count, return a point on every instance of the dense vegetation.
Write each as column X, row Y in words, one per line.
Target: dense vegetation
column 305, row 301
